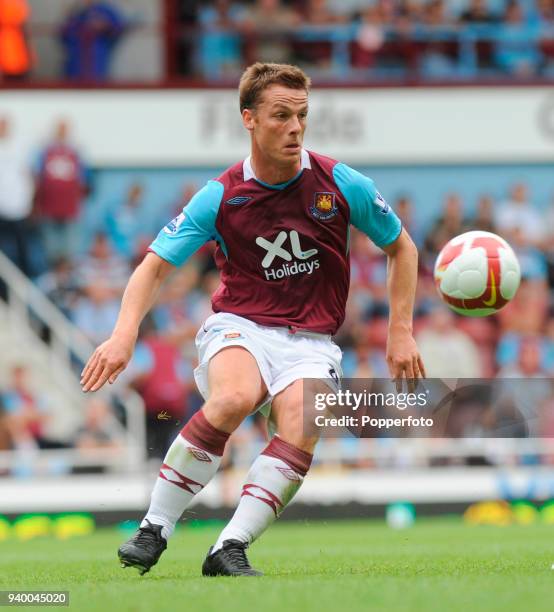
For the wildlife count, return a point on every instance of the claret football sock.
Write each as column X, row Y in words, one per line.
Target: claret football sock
column 189, row 465
column 271, row 483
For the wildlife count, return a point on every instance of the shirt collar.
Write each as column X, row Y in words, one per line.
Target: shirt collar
column 248, row 171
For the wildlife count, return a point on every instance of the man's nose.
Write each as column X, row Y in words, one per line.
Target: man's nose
column 295, row 125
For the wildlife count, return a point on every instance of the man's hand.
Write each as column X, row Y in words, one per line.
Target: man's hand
column 107, row 362
column 404, row 359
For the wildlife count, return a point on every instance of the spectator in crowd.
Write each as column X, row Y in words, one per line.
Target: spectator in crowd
column 16, row 194
column 404, row 208
column 268, row 24
column 5, row 439
column 60, row 285
column 60, row 186
column 365, row 359
column 27, row 413
column 89, row 36
column 478, row 11
column 512, row 346
column 95, row 314
column 439, row 58
column 518, row 215
column 184, row 24
column 484, row 216
column 528, row 310
column 517, row 51
column 528, row 394
column 447, row 351
column 544, row 10
column 531, row 259
column 549, row 242
column 125, row 222
column 368, row 275
column 316, row 13
column 103, row 275
column 102, row 267
column 549, row 346
column 163, row 379
column 15, row 55
column 370, row 38
column 220, row 49
column 172, row 310
column 448, row 225
column 100, row 430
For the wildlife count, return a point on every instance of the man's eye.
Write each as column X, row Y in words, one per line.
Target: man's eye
column 303, row 115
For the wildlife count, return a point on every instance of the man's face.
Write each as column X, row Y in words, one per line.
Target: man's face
column 278, row 123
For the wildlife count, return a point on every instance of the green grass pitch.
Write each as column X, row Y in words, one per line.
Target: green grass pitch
column 437, row 565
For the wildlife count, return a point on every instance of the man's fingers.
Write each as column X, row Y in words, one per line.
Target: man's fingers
column 114, row 376
column 102, row 380
column 397, row 374
column 94, row 376
column 89, row 367
column 421, row 366
column 410, row 376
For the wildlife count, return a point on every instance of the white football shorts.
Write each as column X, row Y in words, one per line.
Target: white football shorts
column 282, row 356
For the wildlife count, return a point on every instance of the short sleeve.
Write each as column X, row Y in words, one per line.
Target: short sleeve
column 368, row 210
column 192, row 228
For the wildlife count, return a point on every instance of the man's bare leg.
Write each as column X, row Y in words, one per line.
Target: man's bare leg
column 276, row 475
column 236, row 388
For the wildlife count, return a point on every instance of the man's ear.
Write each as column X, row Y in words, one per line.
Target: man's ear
column 248, row 119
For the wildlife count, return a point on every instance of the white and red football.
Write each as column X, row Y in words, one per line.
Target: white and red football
column 477, row 273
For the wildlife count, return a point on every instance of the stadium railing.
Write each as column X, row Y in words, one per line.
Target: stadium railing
column 65, row 350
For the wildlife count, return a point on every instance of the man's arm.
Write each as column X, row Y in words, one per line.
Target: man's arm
column 370, row 213
column 112, row 357
column 175, row 243
column 403, row 356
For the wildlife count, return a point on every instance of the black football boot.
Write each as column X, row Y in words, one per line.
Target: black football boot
column 229, row 560
column 144, row 549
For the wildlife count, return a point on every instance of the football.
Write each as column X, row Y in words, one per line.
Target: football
column 477, row 273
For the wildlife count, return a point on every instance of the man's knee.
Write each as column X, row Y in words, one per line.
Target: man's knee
column 228, row 408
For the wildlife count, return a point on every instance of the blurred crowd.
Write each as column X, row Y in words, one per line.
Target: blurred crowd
column 336, row 40
column 360, row 39
column 84, row 275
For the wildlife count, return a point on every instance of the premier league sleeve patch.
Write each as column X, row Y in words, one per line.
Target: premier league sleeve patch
column 381, row 203
column 324, row 206
column 173, row 226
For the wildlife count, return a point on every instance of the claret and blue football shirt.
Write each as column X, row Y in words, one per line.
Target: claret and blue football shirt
column 282, row 250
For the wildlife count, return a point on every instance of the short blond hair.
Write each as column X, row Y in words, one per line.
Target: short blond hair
column 259, row 76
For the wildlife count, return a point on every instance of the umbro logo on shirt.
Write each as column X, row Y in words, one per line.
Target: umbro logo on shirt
column 238, row 200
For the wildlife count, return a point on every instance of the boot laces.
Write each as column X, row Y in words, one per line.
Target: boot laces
column 147, row 535
column 237, row 554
